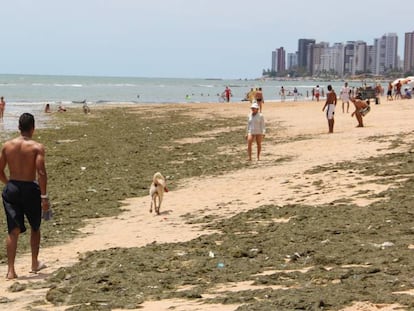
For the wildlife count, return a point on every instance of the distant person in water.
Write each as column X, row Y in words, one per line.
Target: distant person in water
column 61, row 108
column 2, row 107
column 47, row 108
column 228, row 94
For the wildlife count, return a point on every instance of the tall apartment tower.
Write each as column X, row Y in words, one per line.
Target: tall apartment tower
column 360, row 58
column 303, row 52
column 409, row 52
column 332, row 59
column 318, row 50
column 387, row 57
column 292, row 60
column 349, row 53
column 371, row 59
column 279, row 60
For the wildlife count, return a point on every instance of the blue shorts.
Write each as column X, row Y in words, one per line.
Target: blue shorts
column 22, row 198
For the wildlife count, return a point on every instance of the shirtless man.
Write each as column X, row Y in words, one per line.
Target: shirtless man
column 330, row 105
column 361, row 108
column 259, row 98
column 23, row 195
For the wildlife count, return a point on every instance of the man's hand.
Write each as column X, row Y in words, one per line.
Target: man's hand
column 45, row 204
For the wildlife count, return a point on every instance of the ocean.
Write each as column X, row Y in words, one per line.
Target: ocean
column 31, row 92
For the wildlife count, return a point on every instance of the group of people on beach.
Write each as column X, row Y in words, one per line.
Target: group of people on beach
column 362, row 107
column 256, row 129
column 395, row 91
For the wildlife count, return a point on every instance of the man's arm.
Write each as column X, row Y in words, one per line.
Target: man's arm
column 3, row 162
column 41, row 170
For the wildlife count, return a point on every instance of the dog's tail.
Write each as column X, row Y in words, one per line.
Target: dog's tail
column 158, row 179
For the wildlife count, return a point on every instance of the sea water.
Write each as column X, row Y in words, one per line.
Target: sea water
column 31, row 92
column 42, row 89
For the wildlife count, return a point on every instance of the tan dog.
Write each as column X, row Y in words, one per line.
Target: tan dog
column 157, row 189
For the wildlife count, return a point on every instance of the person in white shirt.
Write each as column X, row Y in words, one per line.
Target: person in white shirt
column 255, row 130
column 345, row 97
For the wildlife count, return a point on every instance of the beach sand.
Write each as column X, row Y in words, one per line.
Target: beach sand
column 265, row 182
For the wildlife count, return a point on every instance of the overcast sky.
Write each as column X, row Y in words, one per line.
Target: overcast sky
column 181, row 38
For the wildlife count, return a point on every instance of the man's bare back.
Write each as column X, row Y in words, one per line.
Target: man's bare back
column 331, row 98
column 24, row 158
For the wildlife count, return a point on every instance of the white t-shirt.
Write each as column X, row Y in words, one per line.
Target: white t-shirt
column 345, row 93
column 255, row 124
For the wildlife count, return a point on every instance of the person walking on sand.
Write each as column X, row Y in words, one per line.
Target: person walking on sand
column 389, row 91
column 361, row 109
column 2, row 107
column 345, row 91
column 22, row 194
column 398, row 90
column 255, row 130
column 330, row 105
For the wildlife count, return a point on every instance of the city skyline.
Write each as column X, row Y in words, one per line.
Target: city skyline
column 352, row 57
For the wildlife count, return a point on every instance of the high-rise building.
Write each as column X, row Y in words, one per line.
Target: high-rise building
column 349, row 51
column 303, row 52
column 409, row 52
column 386, row 58
column 292, row 60
column 318, row 49
column 332, row 60
column 371, row 59
column 360, row 58
column 279, row 60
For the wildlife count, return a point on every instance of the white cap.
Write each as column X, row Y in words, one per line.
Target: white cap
column 254, row 105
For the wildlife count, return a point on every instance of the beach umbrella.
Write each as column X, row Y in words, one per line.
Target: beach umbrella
column 407, row 80
column 410, row 81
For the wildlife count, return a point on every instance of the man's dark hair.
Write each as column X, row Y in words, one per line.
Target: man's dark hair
column 26, row 122
column 329, row 87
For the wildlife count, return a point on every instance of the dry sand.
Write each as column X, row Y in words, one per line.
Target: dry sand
column 229, row 194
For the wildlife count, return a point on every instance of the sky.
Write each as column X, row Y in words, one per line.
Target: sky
column 181, row 38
